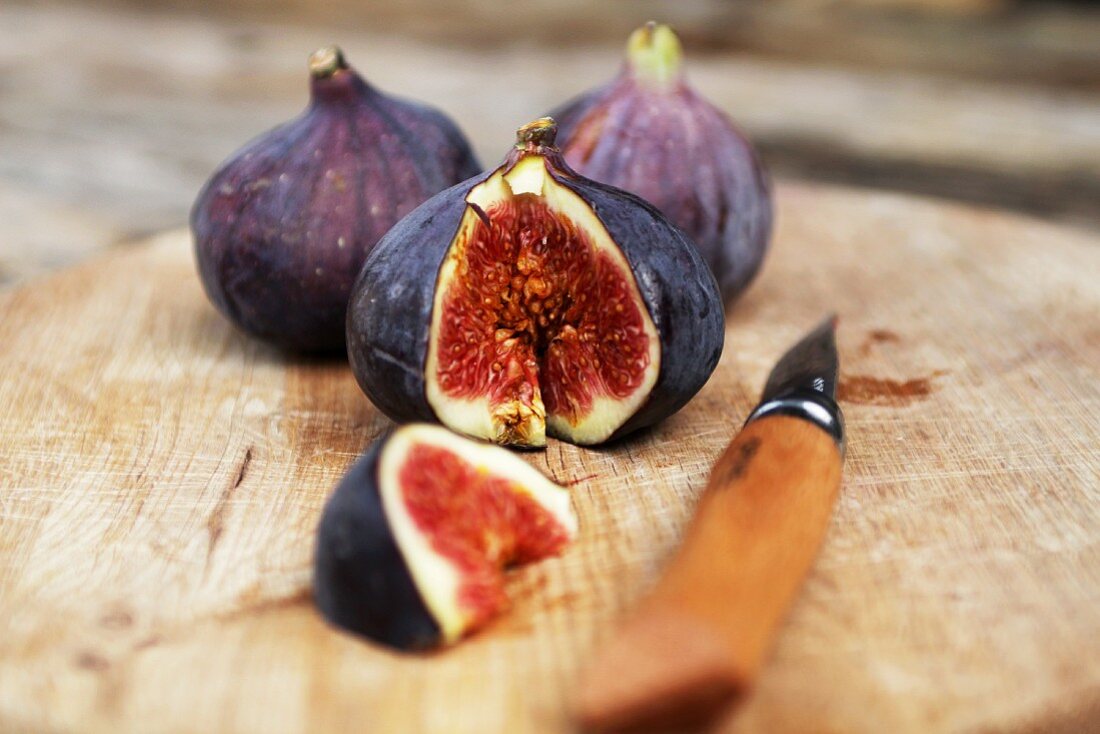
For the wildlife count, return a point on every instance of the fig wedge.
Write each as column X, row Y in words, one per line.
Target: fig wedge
column 413, row 543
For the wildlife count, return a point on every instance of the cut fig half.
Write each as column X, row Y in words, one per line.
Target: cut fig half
column 538, row 322
column 530, row 301
column 413, row 544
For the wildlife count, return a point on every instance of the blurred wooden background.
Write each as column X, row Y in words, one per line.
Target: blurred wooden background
column 112, row 114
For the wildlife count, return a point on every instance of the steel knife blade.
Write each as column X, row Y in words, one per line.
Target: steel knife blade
column 803, row 382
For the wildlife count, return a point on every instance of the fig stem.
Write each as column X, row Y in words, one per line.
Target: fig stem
column 540, row 133
column 324, row 62
column 654, row 54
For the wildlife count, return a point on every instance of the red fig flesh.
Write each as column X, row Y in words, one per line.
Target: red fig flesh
column 649, row 132
column 283, row 227
column 480, row 517
column 539, row 317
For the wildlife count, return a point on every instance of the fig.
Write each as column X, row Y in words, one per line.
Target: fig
column 649, row 132
column 530, row 300
column 282, row 227
column 413, row 543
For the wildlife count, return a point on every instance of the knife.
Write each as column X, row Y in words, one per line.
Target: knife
column 696, row 643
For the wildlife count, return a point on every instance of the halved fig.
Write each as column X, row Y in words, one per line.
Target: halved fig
column 529, row 300
column 413, row 543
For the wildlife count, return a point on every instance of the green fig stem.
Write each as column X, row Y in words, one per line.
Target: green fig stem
column 654, row 54
column 540, row 133
column 324, row 62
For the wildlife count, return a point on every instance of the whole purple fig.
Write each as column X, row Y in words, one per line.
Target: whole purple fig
column 649, row 132
column 282, row 228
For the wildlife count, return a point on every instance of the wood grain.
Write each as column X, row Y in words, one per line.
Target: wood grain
column 162, row 476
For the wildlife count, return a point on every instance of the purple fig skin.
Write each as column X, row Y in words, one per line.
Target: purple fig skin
column 649, row 132
column 361, row 581
column 283, row 226
column 390, row 311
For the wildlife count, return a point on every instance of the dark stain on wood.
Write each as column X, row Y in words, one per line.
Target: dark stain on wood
column 866, row 390
column 88, row 660
column 876, row 337
column 243, row 468
column 147, row 642
column 117, row 619
column 735, row 467
column 882, row 335
column 578, row 480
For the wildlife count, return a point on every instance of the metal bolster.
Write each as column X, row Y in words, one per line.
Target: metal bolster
column 809, row 405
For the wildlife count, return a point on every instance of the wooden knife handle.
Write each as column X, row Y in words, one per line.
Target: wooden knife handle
column 699, row 639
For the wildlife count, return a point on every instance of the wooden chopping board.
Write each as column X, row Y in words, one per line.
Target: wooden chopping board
column 162, row 476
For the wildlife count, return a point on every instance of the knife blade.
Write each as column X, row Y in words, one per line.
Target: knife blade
column 697, row 641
